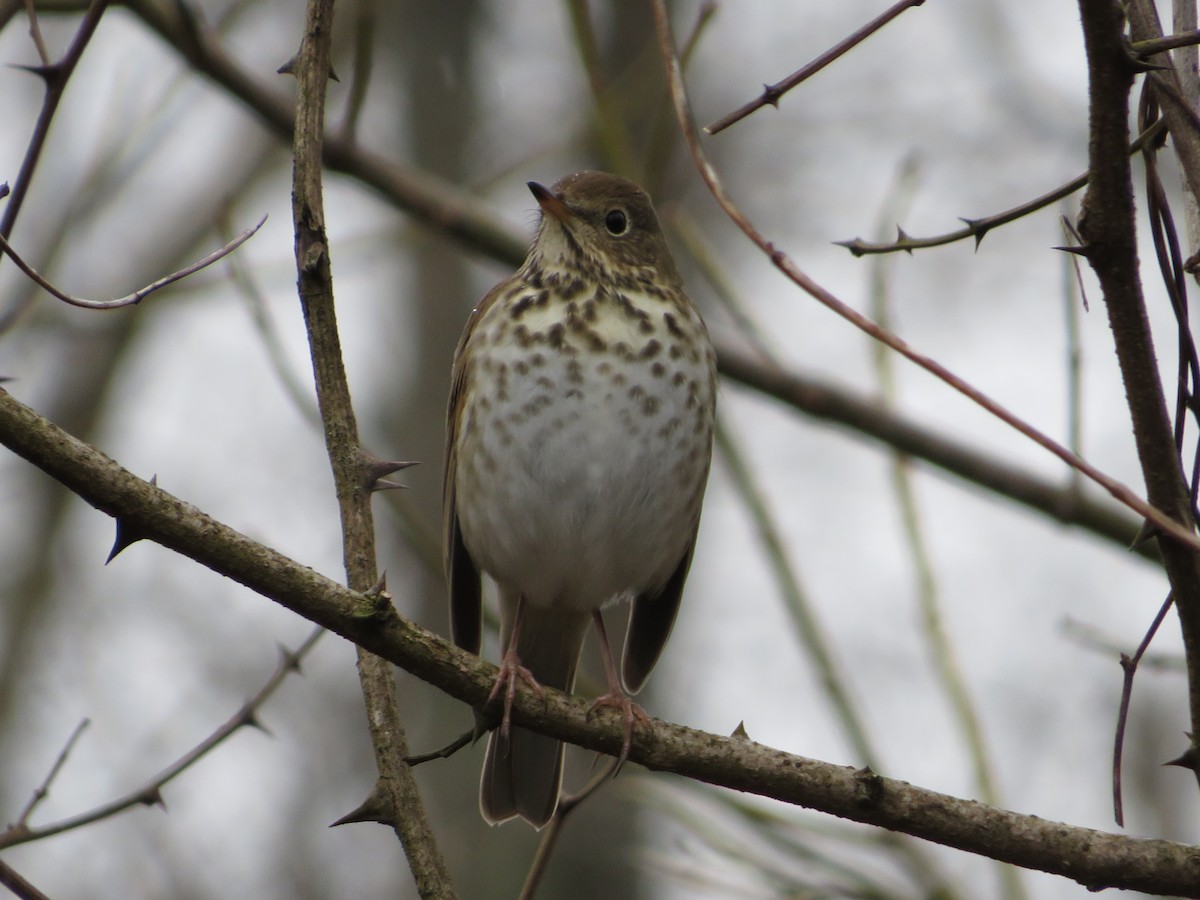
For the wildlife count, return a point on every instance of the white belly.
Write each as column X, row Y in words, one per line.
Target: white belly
column 580, row 473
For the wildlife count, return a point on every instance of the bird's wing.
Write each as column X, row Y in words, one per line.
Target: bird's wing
column 650, row 623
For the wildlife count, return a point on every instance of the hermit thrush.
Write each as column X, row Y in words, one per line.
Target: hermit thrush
column 578, row 445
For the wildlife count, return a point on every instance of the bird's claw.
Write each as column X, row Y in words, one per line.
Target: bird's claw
column 511, row 671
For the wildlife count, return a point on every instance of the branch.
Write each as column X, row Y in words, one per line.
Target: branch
column 151, row 792
column 869, row 418
column 21, row 888
column 1107, row 225
column 1093, row 858
column 55, row 78
column 394, row 800
column 978, row 228
column 137, row 296
column 773, row 92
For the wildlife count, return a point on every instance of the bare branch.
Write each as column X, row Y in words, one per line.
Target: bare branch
column 142, row 293
column 21, row 888
column 395, row 793
column 773, row 92
column 1129, row 665
column 42, row 790
column 1151, row 46
column 978, row 228
column 151, row 792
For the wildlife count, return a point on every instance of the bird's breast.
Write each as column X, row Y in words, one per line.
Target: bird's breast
column 584, row 442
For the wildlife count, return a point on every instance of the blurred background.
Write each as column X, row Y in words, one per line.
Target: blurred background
column 956, row 109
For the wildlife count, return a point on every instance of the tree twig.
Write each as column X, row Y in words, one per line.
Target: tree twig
column 395, row 799
column 151, row 792
column 979, row 228
column 773, row 92
column 141, row 293
column 43, row 790
column 1129, row 666
column 1107, row 225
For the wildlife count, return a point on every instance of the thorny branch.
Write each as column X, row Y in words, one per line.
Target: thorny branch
column 395, row 800
column 150, row 793
column 141, row 293
column 979, row 228
column 773, row 92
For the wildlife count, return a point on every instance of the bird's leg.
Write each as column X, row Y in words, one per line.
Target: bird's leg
column 511, row 671
column 617, row 696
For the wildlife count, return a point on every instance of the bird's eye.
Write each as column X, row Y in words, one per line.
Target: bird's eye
column 616, row 222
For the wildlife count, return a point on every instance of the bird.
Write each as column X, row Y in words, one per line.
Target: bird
column 579, row 437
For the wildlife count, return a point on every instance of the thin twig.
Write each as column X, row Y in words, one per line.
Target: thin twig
column 548, row 840
column 866, row 418
column 773, row 92
column 1170, row 42
column 1129, row 666
column 15, row 882
column 142, row 293
column 150, row 793
column 799, row 608
column 42, row 790
column 940, row 647
column 1074, row 294
column 785, row 265
column 395, row 799
column 55, row 77
column 978, row 228
column 35, row 32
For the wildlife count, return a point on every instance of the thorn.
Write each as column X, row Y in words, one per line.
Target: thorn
column 771, row 94
column 854, row 246
column 467, row 737
column 902, row 238
column 379, row 588
column 127, row 535
column 289, row 659
column 980, row 231
column 46, row 73
column 1146, row 533
column 487, row 718
column 289, row 68
column 374, row 469
column 153, row 797
column 384, row 484
column 1139, row 63
column 1186, row 760
column 1082, row 250
column 740, row 731
column 376, row 600
column 251, row 720
column 376, row 808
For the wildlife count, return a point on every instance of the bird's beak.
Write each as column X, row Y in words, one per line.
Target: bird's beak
column 550, row 202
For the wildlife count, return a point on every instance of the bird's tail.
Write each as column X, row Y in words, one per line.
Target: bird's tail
column 523, row 774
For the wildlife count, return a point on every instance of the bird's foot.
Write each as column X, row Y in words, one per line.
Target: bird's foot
column 631, row 713
column 511, row 671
